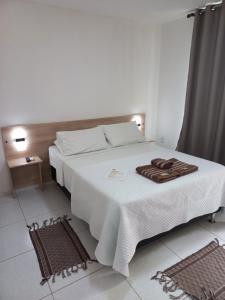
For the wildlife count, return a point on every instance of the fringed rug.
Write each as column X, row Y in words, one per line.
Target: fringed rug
column 58, row 248
column 200, row 276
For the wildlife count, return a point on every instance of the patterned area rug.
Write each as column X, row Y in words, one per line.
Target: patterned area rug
column 199, row 276
column 58, row 248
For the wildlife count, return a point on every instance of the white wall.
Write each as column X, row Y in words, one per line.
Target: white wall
column 58, row 64
column 173, row 72
column 146, row 73
column 147, row 50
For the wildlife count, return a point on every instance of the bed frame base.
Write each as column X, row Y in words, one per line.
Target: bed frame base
column 65, row 191
column 212, row 218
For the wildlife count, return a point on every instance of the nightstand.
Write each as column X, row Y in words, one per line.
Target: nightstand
column 19, row 164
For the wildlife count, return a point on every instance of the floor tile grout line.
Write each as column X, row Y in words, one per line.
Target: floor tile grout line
column 53, row 296
column 213, row 233
column 7, row 259
column 21, row 208
column 131, row 286
column 43, row 213
column 39, row 216
column 178, row 254
column 46, row 213
column 76, row 280
column 164, row 244
column 22, row 220
column 71, row 283
column 50, row 290
column 7, row 202
column 43, row 298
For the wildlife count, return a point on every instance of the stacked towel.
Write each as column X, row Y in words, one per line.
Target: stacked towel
column 160, row 175
column 162, row 163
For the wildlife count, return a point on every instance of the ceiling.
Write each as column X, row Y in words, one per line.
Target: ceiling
column 144, row 11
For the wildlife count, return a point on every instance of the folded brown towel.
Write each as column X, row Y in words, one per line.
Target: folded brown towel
column 178, row 169
column 162, row 163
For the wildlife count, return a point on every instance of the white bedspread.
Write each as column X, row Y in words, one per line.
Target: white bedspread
column 123, row 212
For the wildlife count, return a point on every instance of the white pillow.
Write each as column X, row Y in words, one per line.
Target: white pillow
column 123, row 134
column 80, row 141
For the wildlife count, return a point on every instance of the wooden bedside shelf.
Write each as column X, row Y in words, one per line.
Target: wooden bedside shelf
column 21, row 163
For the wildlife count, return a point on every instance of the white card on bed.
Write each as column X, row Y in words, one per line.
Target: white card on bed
column 115, row 174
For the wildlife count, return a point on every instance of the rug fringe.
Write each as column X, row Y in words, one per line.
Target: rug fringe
column 44, row 280
column 216, row 241
column 51, row 221
column 182, row 296
column 169, row 286
column 68, row 271
column 208, row 294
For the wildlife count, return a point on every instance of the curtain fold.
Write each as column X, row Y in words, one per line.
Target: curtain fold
column 203, row 129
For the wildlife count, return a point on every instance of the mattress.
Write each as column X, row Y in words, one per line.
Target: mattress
column 124, row 210
column 57, row 160
column 64, row 164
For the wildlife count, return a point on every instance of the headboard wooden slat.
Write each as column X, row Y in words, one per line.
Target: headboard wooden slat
column 41, row 136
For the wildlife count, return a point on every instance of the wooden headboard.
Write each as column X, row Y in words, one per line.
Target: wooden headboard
column 40, row 136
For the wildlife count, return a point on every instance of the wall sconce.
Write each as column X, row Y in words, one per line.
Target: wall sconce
column 138, row 120
column 19, row 137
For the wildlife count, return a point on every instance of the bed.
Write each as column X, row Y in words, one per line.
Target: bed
column 123, row 211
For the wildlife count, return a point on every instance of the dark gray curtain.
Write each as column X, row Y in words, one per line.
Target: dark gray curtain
column 203, row 130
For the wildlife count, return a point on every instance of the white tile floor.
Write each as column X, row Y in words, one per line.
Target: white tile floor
column 19, row 269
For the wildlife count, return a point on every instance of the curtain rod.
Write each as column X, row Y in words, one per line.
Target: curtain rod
column 202, row 10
